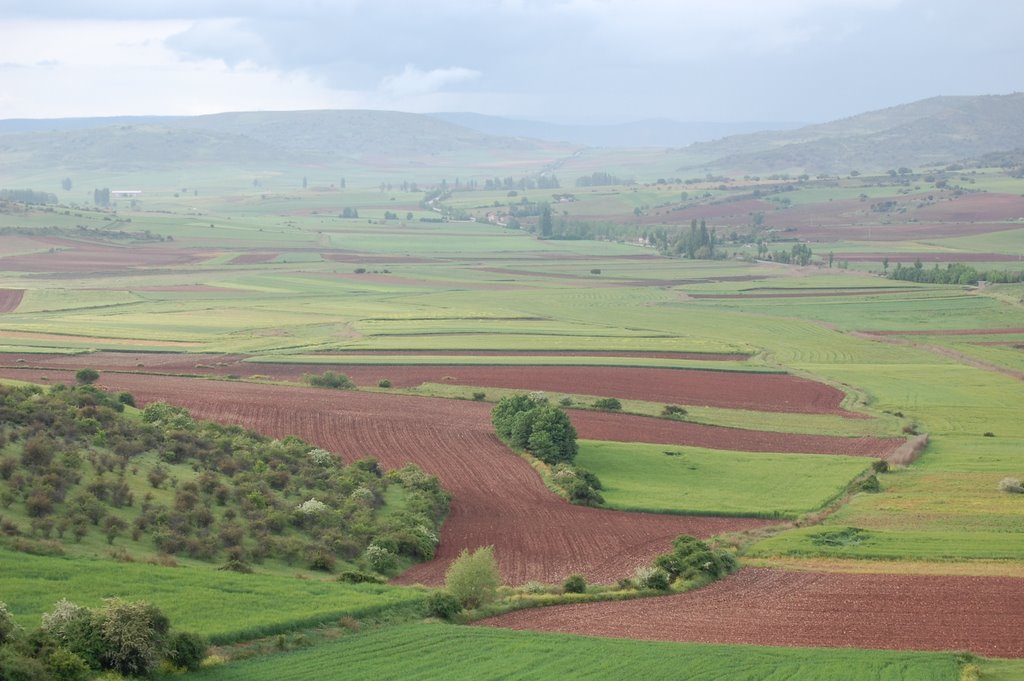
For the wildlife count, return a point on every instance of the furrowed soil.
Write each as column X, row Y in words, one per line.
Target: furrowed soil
column 10, row 299
column 728, row 389
column 983, row 615
column 498, row 498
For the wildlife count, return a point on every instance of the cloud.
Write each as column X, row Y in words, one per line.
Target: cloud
column 225, row 39
column 413, row 81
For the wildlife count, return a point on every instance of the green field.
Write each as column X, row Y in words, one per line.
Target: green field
column 225, row 606
column 430, row 651
column 669, row 479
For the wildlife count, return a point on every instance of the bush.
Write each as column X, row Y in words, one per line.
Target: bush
column 473, row 577
column 133, row 635
column 63, row 665
column 575, row 584
column 383, row 383
column 608, row 404
column 359, row 577
column 651, row 578
column 1011, row 485
column 7, row 625
column 869, row 484
column 443, row 605
column 479, row 397
column 329, row 379
column 673, row 410
column 186, row 650
column 86, row 376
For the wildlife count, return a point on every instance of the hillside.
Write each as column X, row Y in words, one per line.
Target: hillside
column 247, row 139
column 936, row 130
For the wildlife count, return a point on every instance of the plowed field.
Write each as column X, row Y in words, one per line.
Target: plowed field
column 984, row 615
column 729, row 389
column 10, row 299
column 498, row 498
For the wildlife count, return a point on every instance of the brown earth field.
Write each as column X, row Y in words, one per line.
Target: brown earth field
column 75, row 256
column 10, row 299
column 728, row 389
column 981, row 207
column 800, row 294
column 759, row 606
column 498, row 498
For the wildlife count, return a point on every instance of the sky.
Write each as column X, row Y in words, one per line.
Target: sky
column 580, row 61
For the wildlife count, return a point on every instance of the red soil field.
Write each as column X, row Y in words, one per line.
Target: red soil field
column 706, row 356
column 70, row 256
column 596, row 425
column 498, row 498
column 730, row 389
column 983, row 615
column 10, row 299
column 983, row 207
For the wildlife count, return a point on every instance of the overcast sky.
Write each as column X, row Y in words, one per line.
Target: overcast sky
column 558, row 60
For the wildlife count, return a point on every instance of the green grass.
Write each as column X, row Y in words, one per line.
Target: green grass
column 903, row 544
column 671, row 479
column 430, row 651
column 224, row 606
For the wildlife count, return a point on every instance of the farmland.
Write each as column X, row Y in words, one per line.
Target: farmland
column 751, row 394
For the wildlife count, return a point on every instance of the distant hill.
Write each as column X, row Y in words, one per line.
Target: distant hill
column 936, row 130
column 254, row 138
column 646, row 133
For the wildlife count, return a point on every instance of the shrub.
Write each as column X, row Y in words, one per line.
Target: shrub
column 1011, row 485
column 329, row 379
column 133, row 635
column 565, row 402
column 383, row 383
column 608, row 404
column 673, row 410
column 87, row 376
column 186, row 650
column 380, row 558
column 575, row 584
column 7, row 625
column 869, row 484
column 479, row 397
column 64, row 665
column 651, row 578
column 880, row 466
column 443, row 605
column 473, row 577
column 359, row 577
column 988, row 433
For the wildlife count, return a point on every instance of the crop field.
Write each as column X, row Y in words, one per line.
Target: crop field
column 640, row 477
column 776, row 607
column 793, row 380
column 420, row 651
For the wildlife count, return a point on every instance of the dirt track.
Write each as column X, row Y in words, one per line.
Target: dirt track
column 984, row 615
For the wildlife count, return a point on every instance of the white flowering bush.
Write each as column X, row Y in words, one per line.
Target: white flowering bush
column 363, row 496
column 380, row 559
column 321, row 457
column 312, row 506
column 1011, row 485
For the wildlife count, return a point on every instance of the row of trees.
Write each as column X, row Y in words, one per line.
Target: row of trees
column 953, row 273
column 27, row 196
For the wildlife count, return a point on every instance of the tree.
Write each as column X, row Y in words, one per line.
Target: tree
column 545, row 221
column 305, row 182
column 473, row 578
column 65, row 184
column 87, row 376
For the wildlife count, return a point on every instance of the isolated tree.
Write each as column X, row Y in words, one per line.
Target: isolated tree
column 87, row 376
column 473, row 578
column 546, row 227
column 65, row 184
column 305, row 182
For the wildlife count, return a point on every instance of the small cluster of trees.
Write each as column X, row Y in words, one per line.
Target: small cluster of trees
column 74, row 643
column 690, row 560
column 523, row 183
column 330, row 379
column 799, row 254
column 601, row 179
column 530, row 423
column 101, row 197
column 953, row 273
column 27, row 196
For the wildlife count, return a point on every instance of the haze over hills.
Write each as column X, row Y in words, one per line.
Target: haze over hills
column 645, row 133
column 936, row 130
